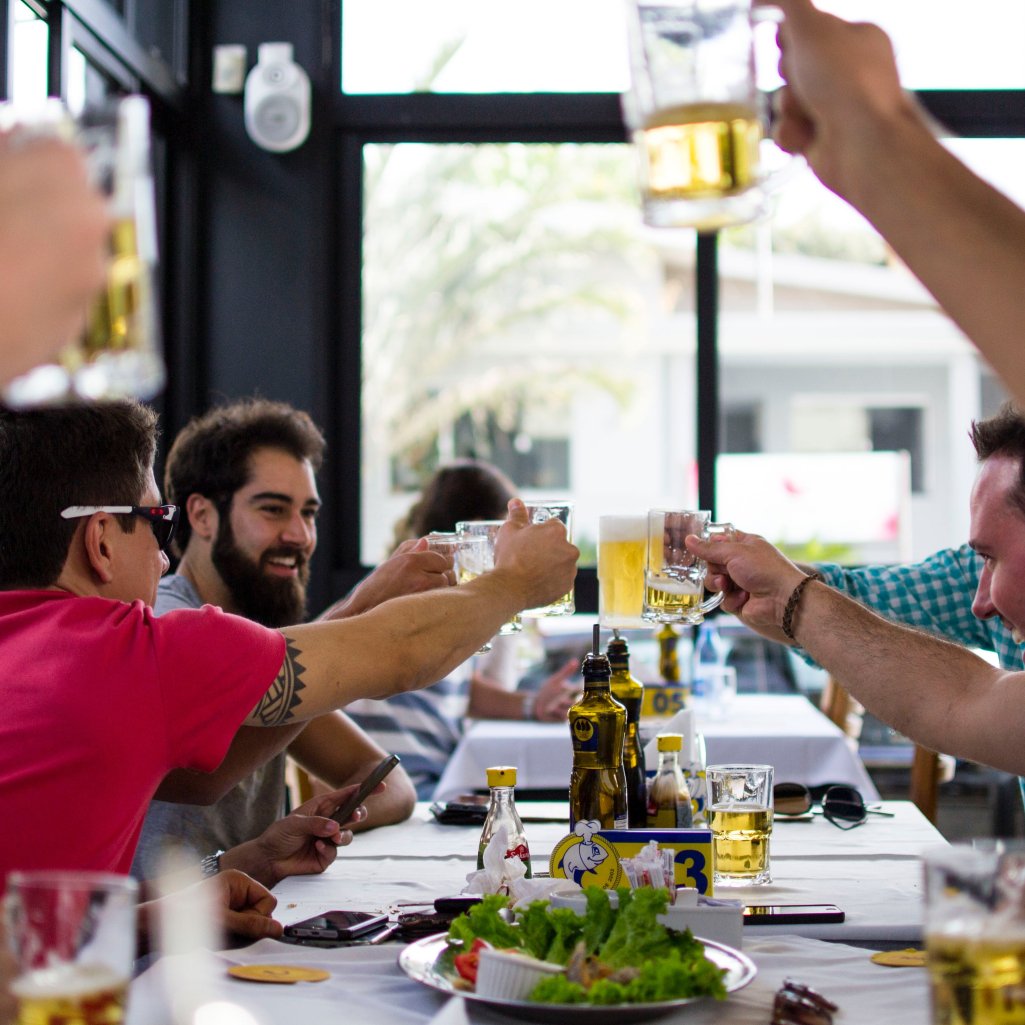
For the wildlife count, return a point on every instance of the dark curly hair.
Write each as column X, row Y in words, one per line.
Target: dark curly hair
column 211, row 456
column 1004, row 435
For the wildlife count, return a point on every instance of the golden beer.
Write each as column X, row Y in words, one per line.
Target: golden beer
column 672, row 598
column 740, row 838
column 71, row 995
column 977, row 980
column 622, row 548
column 700, row 150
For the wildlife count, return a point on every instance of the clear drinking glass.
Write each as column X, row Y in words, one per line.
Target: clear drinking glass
column 674, row 579
column 118, row 354
column 622, row 546
column 469, row 558
column 695, row 112
column 540, row 512
column 73, row 936
column 740, row 816
column 489, row 529
column 975, row 932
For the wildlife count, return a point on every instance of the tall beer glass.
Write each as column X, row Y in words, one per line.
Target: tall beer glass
column 73, row 936
column 740, row 816
column 693, row 109
column 540, row 512
column 118, row 354
column 674, row 579
column 975, row 932
column 489, row 529
column 468, row 554
column 622, row 546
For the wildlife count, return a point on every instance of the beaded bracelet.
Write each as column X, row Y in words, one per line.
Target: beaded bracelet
column 795, row 597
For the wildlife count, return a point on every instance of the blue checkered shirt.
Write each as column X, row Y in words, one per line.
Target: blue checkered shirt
column 934, row 595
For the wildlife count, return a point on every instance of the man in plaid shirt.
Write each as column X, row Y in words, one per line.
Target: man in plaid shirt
column 935, row 595
column 939, row 694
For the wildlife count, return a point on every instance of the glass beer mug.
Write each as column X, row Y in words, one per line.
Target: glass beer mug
column 674, row 578
column 694, row 112
column 118, row 354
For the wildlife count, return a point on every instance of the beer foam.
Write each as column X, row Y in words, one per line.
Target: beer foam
column 72, row 981
column 670, row 586
column 622, row 528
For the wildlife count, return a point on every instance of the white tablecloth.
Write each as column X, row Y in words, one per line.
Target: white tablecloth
column 783, row 730
column 872, row 872
column 367, row 986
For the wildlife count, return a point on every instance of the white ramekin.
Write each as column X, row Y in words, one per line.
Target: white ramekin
column 510, row 976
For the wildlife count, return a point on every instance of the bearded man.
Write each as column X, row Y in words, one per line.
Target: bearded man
column 244, row 477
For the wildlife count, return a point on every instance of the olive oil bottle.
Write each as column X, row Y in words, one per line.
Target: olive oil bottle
column 668, row 665
column 629, row 692
column 597, row 725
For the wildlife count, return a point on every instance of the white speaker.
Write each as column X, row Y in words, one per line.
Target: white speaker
column 277, row 100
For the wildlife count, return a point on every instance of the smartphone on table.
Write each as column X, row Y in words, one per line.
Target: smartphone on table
column 793, row 914
column 366, row 788
column 333, row 927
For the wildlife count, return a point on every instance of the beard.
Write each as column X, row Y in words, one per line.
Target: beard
column 266, row 599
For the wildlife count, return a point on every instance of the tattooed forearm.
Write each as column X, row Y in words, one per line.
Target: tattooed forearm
column 277, row 705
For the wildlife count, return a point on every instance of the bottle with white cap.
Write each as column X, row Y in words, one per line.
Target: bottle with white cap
column 502, row 812
column 669, row 804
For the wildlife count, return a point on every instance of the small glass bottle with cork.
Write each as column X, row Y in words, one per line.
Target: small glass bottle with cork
column 502, row 812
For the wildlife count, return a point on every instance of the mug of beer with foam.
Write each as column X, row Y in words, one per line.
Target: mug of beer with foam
column 73, row 936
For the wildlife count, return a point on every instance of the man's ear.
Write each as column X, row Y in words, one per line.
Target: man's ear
column 203, row 516
column 96, row 538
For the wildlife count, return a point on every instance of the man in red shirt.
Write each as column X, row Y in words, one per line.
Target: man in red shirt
column 101, row 699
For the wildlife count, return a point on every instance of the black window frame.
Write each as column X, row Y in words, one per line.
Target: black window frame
column 550, row 118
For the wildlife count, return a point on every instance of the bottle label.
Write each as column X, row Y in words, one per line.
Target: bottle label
column 585, row 736
column 621, row 822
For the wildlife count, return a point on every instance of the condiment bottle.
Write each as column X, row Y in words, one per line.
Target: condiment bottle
column 629, row 692
column 668, row 666
column 597, row 725
column 669, row 804
column 502, row 812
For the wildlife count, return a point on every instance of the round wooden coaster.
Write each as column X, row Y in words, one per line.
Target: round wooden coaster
column 277, row 973
column 909, row 958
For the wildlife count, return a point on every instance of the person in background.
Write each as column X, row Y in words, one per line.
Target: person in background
column 53, row 244
column 244, row 475
column 425, row 727
column 843, row 108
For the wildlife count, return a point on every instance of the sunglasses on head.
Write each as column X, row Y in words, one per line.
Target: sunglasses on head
column 842, row 805
column 162, row 518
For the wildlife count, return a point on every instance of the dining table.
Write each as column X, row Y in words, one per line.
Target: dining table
column 783, row 730
column 873, row 872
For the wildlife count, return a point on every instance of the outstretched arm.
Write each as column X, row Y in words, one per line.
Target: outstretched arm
column 409, row 643
column 843, row 108
column 937, row 693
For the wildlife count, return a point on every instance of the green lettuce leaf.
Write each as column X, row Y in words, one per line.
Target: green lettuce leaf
column 536, row 929
column 557, row 989
column 569, row 927
column 482, row 921
column 600, row 918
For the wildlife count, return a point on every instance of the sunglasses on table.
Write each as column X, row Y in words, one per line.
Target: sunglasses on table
column 162, row 518
column 842, row 805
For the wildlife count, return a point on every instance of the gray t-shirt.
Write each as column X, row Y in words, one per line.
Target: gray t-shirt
column 242, row 814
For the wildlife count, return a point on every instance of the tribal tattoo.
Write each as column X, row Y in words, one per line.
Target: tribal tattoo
column 275, row 707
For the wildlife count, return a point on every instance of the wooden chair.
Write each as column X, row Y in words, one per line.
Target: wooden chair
column 837, row 705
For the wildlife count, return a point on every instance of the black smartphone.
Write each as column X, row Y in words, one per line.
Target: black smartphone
column 793, row 914
column 333, row 926
column 457, row 904
column 344, row 812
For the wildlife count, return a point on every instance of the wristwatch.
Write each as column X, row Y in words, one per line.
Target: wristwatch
column 211, row 865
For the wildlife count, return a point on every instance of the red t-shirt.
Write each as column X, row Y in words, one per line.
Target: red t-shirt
column 99, row 700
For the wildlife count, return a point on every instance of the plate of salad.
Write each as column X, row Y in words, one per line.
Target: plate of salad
column 620, row 964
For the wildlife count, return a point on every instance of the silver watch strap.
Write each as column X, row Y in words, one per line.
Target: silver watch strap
column 211, row 865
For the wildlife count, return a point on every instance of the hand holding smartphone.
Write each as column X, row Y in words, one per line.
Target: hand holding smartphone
column 345, row 811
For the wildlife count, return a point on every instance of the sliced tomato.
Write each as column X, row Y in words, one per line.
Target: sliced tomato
column 467, row 964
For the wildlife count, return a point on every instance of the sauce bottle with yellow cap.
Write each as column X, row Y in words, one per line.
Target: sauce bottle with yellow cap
column 669, row 804
column 502, row 812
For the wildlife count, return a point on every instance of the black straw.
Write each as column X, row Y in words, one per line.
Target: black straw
column 597, row 639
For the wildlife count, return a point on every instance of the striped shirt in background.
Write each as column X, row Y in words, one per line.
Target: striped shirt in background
column 935, row 595
column 423, row 727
